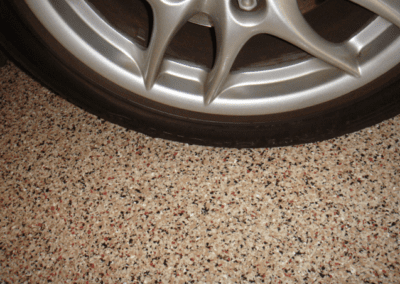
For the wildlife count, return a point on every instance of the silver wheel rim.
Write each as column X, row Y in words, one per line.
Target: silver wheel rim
column 333, row 70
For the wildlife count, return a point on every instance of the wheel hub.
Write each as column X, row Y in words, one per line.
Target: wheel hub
column 203, row 20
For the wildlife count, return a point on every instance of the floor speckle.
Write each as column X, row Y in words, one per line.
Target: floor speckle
column 85, row 201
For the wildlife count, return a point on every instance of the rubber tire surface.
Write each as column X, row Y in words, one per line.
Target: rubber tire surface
column 28, row 43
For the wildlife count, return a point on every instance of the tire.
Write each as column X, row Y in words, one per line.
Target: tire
column 28, row 40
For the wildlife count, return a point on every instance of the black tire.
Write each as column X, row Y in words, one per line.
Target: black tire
column 25, row 40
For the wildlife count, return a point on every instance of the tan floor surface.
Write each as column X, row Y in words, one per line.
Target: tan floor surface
column 86, row 201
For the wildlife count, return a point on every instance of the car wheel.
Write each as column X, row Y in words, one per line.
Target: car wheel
column 234, row 73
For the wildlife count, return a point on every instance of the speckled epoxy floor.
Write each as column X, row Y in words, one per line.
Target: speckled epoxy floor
column 86, row 201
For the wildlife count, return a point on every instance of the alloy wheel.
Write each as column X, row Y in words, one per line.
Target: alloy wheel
column 317, row 71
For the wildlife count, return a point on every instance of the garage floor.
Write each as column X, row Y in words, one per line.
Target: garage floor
column 86, row 201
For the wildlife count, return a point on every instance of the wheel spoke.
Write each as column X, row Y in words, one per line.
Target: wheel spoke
column 230, row 46
column 104, row 30
column 169, row 17
column 285, row 21
column 388, row 9
column 231, row 37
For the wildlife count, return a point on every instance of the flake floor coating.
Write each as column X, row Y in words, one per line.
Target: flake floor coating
column 85, row 201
